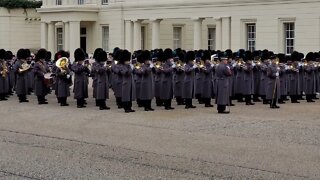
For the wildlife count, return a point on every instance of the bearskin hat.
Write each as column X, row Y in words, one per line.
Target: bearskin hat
column 146, row 55
column 310, row 56
column 2, row 54
column 79, row 55
column 168, row 53
column 265, row 55
column 96, row 52
column 295, row 56
column 41, row 54
column 190, row 56
column 248, row 56
column 181, row 56
column 22, row 54
column 229, row 53
column 206, row 55
column 9, row 55
column 282, row 57
column 102, row 56
column 125, row 55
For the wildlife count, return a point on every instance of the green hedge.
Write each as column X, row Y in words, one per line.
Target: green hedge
column 16, row 4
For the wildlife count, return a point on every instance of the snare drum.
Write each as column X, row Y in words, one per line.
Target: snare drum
column 48, row 79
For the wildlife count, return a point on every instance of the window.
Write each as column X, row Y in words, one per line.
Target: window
column 105, row 38
column 59, row 39
column 289, row 37
column 58, row 2
column 104, row 1
column 251, row 37
column 211, row 38
column 177, row 35
column 80, row 1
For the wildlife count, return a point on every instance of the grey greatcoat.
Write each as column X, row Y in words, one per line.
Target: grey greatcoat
column 128, row 86
column 116, row 80
column 138, row 78
column 199, row 81
column 21, row 79
column 166, row 85
column 147, row 83
column 248, row 81
column 63, row 83
column 309, row 80
column 157, row 82
column 178, row 81
column 231, row 81
column 239, row 80
column 94, row 78
column 80, row 88
column 102, row 86
column 188, row 83
column 222, row 84
column 283, row 82
column 256, row 79
column 207, row 86
column 39, row 71
column 273, row 82
column 263, row 80
column 293, row 82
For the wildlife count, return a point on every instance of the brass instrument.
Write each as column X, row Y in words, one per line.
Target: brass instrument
column 200, row 64
column 158, row 64
column 62, row 63
column 137, row 65
column 179, row 65
column 24, row 67
column 4, row 70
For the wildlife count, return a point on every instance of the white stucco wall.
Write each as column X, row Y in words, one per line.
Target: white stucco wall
column 19, row 29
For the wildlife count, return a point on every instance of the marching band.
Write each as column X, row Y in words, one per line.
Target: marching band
column 163, row 75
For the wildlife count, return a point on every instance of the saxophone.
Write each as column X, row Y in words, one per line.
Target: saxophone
column 4, row 70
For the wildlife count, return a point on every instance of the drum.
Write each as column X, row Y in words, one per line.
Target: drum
column 48, row 79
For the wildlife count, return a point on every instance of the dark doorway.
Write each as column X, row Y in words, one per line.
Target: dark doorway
column 83, row 39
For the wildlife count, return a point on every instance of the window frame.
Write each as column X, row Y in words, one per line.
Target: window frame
column 251, row 36
column 289, row 37
column 212, row 45
column 60, row 38
column 105, row 39
column 179, row 39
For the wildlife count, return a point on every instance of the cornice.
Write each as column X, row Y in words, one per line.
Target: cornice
column 82, row 8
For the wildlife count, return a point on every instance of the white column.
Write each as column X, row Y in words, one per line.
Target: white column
column 156, row 33
column 197, row 33
column 74, row 41
column 226, row 33
column 51, row 41
column 137, row 35
column 128, row 35
column 44, row 35
column 218, row 34
column 66, row 36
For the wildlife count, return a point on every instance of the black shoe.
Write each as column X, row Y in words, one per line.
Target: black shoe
column 192, row 107
column 223, row 112
column 3, row 99
column 150, row 109
column 208, row 105
column 64, row 104
column 127, row 111
column 281, row 102
column 249, row 104
column 42, row 102
column 104, row 108
column 256, row 100
column 310, row 100
column 295, row 102
column 169, row 108
column 81, row 106
column 131, row 110
column 275, row 107
column 24, row 100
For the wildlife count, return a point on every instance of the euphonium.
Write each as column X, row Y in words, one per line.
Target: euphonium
column 4, row 70
column 24, row 67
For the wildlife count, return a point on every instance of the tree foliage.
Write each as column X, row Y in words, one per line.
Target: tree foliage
column 16, row 4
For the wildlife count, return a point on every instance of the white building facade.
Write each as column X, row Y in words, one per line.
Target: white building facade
column 280, row 26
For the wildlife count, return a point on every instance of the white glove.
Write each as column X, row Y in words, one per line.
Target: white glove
column 132, row 67
column 195, row 66
column 151, row 65
column 68, row 76
column 173, row 66
column 277, row 74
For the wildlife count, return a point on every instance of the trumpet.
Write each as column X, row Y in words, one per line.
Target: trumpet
column 158, row 64
column 179, row 65
column 137, row 65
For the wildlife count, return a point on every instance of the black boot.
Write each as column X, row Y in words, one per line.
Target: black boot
column 207, row 102
column 159, row 102
column 167, row 104
column 80, row 103
column 189, row 104
column 63, row 101
column 248, row 100
column 3, row 97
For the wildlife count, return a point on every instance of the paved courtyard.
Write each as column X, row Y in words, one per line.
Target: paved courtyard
column 253, row 142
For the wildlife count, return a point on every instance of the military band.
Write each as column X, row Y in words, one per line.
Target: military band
column 162, row 75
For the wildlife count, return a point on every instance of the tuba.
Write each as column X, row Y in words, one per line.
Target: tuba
column 62, row 63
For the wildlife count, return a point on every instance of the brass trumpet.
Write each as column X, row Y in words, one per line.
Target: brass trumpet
column 24, row 67
column 137, row 65
column 158, row 64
